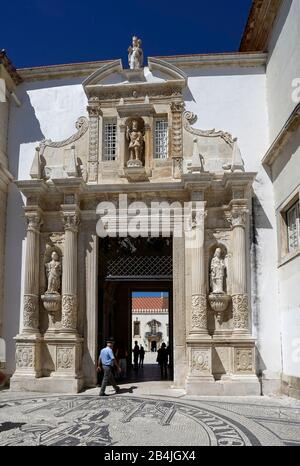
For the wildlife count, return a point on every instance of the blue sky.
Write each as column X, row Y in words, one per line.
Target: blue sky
column 43, row 32
column 138, row 294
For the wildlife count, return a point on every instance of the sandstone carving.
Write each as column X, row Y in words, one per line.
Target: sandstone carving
column 135, row 54
column 135, row 137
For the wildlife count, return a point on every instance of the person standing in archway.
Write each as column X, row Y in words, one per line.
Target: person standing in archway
column 136, row 352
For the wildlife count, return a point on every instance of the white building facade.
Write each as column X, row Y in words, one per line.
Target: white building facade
column 238, row 335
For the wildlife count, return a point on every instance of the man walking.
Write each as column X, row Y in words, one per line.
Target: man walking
column 106, row 362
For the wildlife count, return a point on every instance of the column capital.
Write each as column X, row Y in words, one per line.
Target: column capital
column 71, row 220
column 237, row 216
column 177, row 107
column 34, row 220
column 93, row 107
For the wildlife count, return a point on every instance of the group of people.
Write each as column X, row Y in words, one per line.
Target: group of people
column 138, row 356
column 112, row 362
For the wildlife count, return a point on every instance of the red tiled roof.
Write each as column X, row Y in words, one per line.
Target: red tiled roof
column 149, row 303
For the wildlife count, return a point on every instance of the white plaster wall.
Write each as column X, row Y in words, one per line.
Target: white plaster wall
column 289, row 298
column 283, row 65
column 286, row 176
column 234, row 100
column 49, row 110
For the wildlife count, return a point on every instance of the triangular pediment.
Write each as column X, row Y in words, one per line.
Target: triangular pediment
column 112, row 75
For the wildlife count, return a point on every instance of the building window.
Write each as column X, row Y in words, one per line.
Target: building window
column 136, row 328
column 161, row 139
column 167, row 329
column 110, row 140
column 293, row 227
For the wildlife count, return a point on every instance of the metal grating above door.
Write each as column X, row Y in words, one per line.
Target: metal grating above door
column 136, row 258
column 139, row 267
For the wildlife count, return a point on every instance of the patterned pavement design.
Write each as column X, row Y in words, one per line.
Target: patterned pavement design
column 85, row 419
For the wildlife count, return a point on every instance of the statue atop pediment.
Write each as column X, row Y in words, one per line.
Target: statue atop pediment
column 135, row 54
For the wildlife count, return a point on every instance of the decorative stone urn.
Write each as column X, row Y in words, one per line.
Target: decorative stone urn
column 219, row 303
column 52, row 302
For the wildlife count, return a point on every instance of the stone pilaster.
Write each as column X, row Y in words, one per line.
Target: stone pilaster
column 176, row 138
column 94, row 112
column 69, row 278
column 237, row 218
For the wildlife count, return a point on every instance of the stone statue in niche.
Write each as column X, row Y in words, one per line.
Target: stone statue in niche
column 53, row 271
column 136, row 144
column 217, row 272
column 135, row 54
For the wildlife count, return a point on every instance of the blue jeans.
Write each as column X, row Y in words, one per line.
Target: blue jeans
column 107, row 377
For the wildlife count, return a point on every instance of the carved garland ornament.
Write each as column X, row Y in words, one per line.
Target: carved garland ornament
column 24, row 356
column 64, row 358
column 69, row 312
column 177, row 109
column 30, row 312
column 244, row 360
column 200, row 362
column 199, row 312
column 189, row 118
column 240, row 311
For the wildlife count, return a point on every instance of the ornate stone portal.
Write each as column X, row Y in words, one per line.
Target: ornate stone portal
column 138, row 140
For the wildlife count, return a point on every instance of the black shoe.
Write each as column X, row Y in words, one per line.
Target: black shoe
column 117, row 389
column 103, row 394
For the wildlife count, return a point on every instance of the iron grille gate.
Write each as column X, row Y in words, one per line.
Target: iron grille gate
column 136, row 260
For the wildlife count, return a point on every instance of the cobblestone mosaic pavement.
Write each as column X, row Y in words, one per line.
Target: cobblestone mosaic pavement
column 87, row 419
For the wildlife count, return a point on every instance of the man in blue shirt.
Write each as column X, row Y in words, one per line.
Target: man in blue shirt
column 106, row 362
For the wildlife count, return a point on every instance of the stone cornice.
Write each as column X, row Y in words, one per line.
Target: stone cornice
column 291, row 124
column 9, row 67
column 260, row 22
column 182, row 61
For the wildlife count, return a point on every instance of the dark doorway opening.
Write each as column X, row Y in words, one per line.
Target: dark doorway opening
column 128, row 266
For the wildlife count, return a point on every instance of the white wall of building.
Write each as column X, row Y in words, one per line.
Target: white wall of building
column 283, row 65
column 163, row 318
column 282, row 70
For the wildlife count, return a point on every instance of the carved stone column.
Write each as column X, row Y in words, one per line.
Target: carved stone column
column 237, row 217
column 176, row 138
column 28, row 342
column 94, row 112
column 199, row 301
column 199, row 341
column 31, row 285
column 69, row 278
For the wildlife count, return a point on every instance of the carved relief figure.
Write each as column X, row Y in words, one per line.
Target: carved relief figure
column 135, row 54
column 217, row 272
column 136, row 141
column 53, row 271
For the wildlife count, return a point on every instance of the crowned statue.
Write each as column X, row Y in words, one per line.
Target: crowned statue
column 135, row 54
column 53, row 271
column 217, row 272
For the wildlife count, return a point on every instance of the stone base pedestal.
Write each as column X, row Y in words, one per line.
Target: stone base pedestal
column 28, row 357
column 248, row 386
column 52, row 384
column 62, row 355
